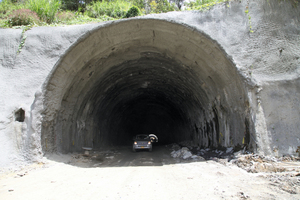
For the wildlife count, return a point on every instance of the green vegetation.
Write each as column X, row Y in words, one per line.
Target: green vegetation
column 203, row 4
column 249, row 19
column 16, row 13
column 45, row 9
column 22, row 17
column 57, row 12
column 22, row 41
column 133, row 12
column 116, row 9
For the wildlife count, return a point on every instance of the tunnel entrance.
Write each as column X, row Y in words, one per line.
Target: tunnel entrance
column 147, row 95
column 142, row 76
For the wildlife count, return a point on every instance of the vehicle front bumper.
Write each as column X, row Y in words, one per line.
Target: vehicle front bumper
column 136, row 146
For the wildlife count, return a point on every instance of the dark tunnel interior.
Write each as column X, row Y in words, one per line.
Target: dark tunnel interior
column 143, row 96
column 148, row 96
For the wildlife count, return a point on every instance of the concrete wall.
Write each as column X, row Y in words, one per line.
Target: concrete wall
column 267, row 60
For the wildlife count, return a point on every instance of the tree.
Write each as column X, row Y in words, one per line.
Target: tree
column 178, row 3
column 75, row 4
column 160, row 6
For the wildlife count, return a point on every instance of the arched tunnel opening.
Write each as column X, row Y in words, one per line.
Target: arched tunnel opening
column 144, row 96
column 145, row 76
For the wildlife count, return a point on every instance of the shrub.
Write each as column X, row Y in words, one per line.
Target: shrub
column 165, row 6
column 65, row 16
column 70, row 5
column 7, row 6
column 115, row 9
column 75, row 5
column 45, row 9
column 132, row 12
column 22, row 17
column 4, row 6
column 141, row 4
column 160, row 6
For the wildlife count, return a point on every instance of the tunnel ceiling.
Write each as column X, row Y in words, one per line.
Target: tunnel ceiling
column 144, row 76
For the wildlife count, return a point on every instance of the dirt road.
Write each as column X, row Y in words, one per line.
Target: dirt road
column 122, row 174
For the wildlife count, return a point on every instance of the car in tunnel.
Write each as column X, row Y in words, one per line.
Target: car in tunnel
column 141, row 141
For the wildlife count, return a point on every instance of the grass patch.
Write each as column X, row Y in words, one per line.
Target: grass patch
column 203, row 4
column 45, row 9
column 82, row 19
column 115, row 9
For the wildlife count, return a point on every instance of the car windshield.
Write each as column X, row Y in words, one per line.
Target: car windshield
column 142, row 137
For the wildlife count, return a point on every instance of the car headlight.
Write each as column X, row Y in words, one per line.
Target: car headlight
column 149, row 142
column 135, row 143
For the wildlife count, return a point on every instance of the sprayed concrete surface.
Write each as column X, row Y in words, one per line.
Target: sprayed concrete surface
column 208, row 78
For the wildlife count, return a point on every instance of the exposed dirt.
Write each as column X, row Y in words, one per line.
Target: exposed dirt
column 121, row 174
column 282, row 172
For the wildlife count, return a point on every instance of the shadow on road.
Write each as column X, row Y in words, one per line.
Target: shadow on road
column 121, row 157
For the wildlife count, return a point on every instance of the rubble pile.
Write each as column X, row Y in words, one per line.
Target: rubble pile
column 213, row 154
column 256, row 163
column 183, row 153
column 282, row 172
column 186, row 150
column 289, row 182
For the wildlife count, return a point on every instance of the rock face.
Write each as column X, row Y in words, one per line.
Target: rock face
column 215, row 78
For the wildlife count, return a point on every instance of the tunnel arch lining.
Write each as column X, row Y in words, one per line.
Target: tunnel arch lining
column 117, row 43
